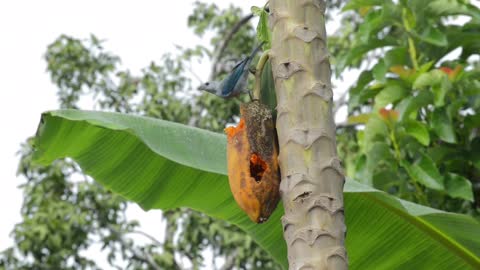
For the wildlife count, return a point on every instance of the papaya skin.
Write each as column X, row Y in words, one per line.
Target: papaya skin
column 253, row 170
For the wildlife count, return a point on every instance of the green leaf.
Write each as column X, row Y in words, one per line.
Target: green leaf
column 257, row 11
column 356, row 4
column 459, row 186
column 263, row 32
column 439, row 83
column 164, row 165
column 452, row 7
column 409, row 106
column 397, row 56
column 267, row 93
column 384, row 179
column 474, row 155
column 406, row 74
column 443, row 152
column 408, row 18
column 356, row 92
column 356, row 55
column 379, row 158
column 390, row 94
column 466, row 37
column 361, row 173
column 439, row 93
column 418, row 130
column 359, row 118
column 442, row 125
column 379, row 71
column 374, row 21
column 425, row 67
column 434, row 36
column 375, row 131
column 425, row 172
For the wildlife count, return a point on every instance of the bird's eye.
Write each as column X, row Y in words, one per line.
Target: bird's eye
column 207, row 83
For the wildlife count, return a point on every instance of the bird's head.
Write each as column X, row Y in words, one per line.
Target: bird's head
column 211, row 87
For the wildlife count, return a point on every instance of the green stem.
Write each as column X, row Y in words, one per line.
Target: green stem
column 395, row 145
column 258, row 74
column 413, row 52
column 422, row 198
column 411, row 45
column 419, row 192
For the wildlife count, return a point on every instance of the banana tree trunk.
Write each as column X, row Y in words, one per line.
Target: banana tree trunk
column 312, row 177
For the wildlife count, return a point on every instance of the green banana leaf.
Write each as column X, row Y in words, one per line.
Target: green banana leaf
column 164, row 165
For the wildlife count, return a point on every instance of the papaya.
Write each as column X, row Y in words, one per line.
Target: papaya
column 252, row 158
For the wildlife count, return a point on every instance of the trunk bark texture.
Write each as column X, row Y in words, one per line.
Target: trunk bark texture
column 312, row 176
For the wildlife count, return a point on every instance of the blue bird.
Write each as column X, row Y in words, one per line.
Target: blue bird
column 235, row 83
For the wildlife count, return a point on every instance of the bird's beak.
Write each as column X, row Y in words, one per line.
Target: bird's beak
column 203, row 87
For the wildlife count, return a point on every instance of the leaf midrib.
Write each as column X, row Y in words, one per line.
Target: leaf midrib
column 432, row 231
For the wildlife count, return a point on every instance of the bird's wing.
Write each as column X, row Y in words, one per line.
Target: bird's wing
column 238, row 71
column 233, row 78
column 240, row 63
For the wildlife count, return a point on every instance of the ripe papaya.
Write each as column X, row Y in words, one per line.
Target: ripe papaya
column 252, row 157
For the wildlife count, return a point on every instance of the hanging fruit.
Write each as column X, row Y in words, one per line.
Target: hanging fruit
column 253, row 171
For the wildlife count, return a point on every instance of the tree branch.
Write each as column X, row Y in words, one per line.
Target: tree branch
column 224, row 45
column 153, row 239
column 347, row 125
column 145, row 257
column 189, row 68
column 230, row 261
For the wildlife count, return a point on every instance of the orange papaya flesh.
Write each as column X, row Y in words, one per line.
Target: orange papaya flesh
column 231, row 131
column 253, row 171
column 257, row 167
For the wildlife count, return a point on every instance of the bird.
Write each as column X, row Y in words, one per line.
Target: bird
column 235, row 83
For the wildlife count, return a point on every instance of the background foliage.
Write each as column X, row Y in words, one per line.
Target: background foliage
column 417, row 107
column 412, row 130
